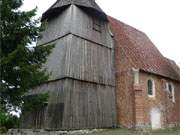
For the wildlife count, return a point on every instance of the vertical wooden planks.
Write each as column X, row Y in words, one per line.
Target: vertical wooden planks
column 76, row 104
column 81, row 86
column 57, row 27
column 83, row 27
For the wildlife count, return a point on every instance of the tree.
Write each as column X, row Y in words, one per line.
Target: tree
column 20, row 66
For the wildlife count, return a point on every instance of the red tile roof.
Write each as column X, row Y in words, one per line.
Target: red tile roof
column 142, row 52
column 174, row 65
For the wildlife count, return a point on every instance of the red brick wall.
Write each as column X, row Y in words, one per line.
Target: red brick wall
column 178, row 100
column 133, row 103
column 169, row 110
column 124, row 89
column 125, row 100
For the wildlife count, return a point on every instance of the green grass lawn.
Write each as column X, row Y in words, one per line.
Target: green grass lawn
column 132, row 132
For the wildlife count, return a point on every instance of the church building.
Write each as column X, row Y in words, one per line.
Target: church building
column 103, row 74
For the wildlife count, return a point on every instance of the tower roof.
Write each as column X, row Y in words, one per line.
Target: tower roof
column 90, row 5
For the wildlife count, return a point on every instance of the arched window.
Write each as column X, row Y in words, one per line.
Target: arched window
column 171, row 91
column 151, row 88
column 170, row 88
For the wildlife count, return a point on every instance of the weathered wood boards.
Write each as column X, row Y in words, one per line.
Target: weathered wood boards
column 82, row 83
column 81, row 59
column 75, row 104
column 56, row 27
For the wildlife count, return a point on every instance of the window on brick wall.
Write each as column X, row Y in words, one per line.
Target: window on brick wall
column 170, row 89
column 151, row 88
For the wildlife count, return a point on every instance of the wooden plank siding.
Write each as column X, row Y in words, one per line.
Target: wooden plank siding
column 85, row 105
column 56, row 27
column 83, row 60
column 74, row 20
column 83, row 27
column 82, row 83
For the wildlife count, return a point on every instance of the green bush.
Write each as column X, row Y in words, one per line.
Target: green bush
column 8, row 121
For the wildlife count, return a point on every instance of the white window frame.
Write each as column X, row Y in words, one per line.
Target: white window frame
column 173, row 94
column 167, row 87
column 153, row 89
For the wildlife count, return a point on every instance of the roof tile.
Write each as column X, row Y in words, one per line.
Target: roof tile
column 142, row 51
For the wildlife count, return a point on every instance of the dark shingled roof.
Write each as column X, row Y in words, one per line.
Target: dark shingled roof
column 59, row 5
column 141, row 51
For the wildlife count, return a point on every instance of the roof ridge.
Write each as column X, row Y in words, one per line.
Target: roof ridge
column 127, row 25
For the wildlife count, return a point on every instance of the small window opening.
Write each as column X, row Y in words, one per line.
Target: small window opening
column 151, row 88
column 96, row 25
column 170, row 88
column 171, row 92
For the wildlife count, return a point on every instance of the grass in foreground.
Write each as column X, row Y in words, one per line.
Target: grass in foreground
column 132, row 132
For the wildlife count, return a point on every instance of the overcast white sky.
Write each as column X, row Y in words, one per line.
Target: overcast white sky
column 159, row 19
